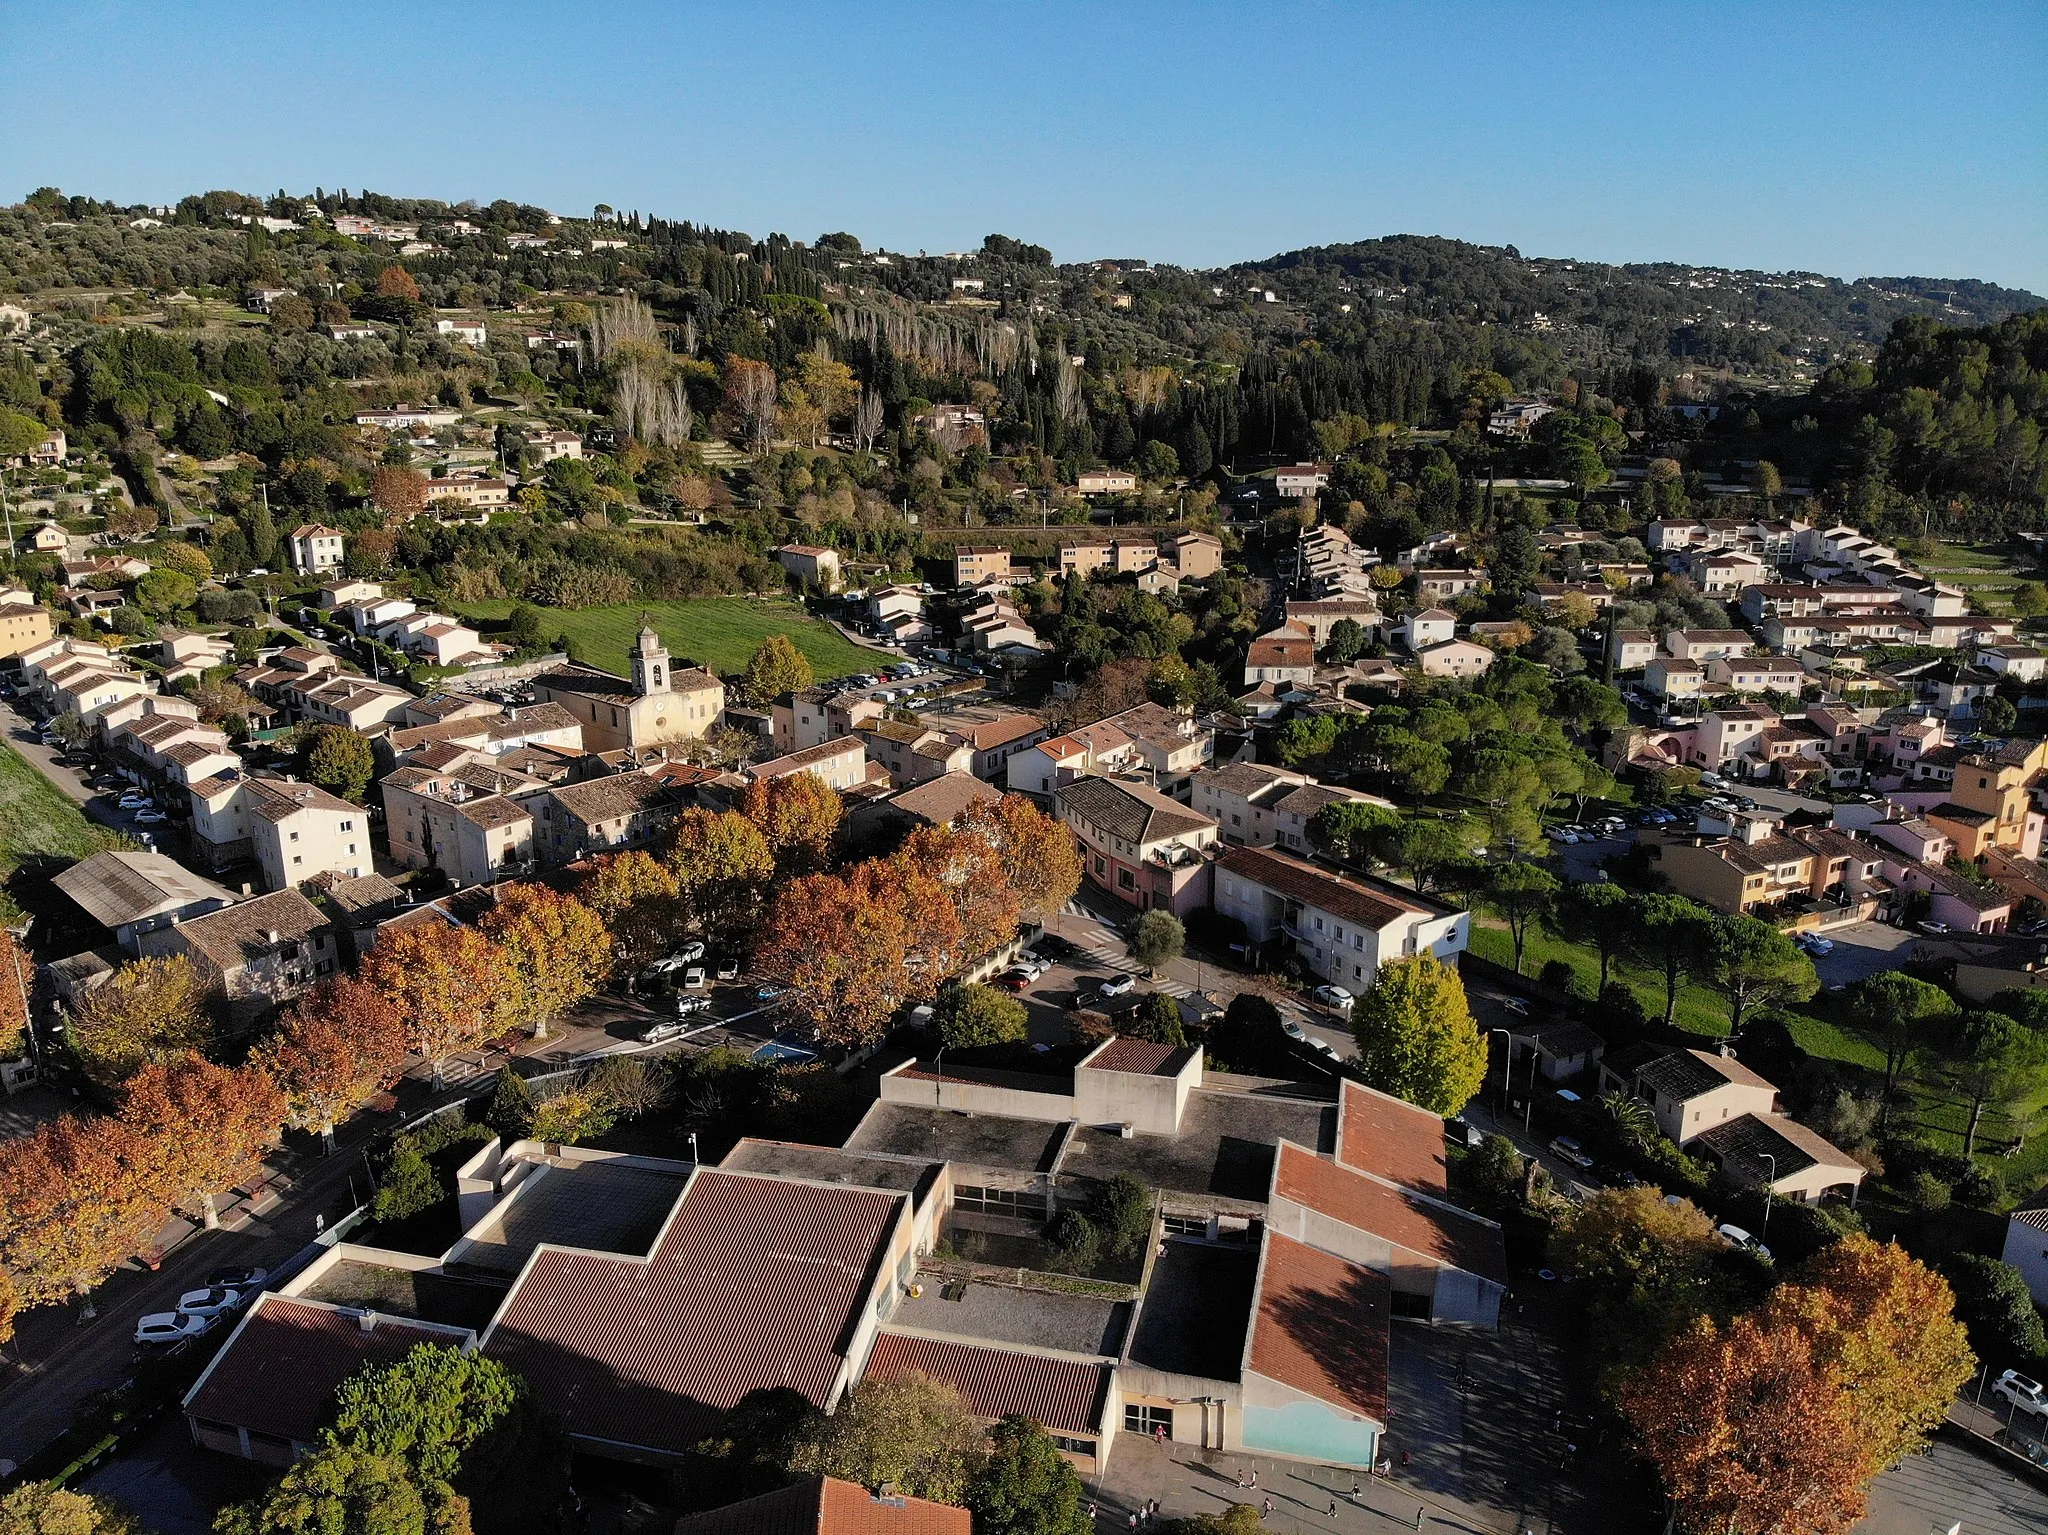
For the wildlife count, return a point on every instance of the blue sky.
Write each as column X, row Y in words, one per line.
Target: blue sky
column 1857, row 140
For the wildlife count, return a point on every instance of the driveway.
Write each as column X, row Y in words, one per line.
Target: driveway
column 1862, row 949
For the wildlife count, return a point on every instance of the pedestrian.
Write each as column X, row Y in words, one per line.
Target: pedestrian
column 1265, row 1508
column 1159, row 1434
column 1255, row 1479
column 1240, row 1478
column 1333, row 1508
column 1354, row 1489
column 319, row 1224
column 1132, row 1522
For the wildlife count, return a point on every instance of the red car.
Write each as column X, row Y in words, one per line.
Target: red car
column 1013, row 980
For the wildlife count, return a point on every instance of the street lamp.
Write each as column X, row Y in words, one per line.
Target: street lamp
column 939, row 1085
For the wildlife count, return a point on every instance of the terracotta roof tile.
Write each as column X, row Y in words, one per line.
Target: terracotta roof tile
column 1064, row 1395
column 1392, row 1140
column 1379, row 1209
column 827, row 1506
column 1321, row 1327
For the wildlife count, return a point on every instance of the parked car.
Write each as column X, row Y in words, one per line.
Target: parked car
column 1816, row 945
column 1326, row 1048
column 1713, row 780
column 728, row 970
column 1013, row 980
column 2023, row 1391
column 1295, row 1030
column 693, row 978
column 133, row 799
column 211, row 1301
column 689, row 953
column 1735, row 1236
column 1563, row 838
column 165, row 1327
column 1333, row 996
column 1517, row 1005
column 1572, row 1152
column 150, row 818
column 769, row 993
column 685, row 1006
column 1934, row 929
column 238, row 1278
column 1117, row 985
column 658, row 1033
column 1058, row 947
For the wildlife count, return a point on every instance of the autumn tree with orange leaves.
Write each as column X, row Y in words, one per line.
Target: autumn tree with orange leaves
column 969, row 869
column 722, row 865
column 1039, row 855
column 453, row 987
column 1778, row 1420
column 338, row 1047
column 560, row 951
column 639, row 901
column 77, row 1200
column 799, row 815
column 398, row 492
column 17, row 973
column 1747, row 1432
column 842, row 943
column 205, row 1127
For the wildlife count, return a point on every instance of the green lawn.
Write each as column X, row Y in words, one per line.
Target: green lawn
column 718, row 632
column 39, row 819
column 1985, row 571
column 1700, row 1011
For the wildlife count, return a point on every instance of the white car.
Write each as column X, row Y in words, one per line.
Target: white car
column 693, row 978
column 1564, row 838
column 2023, row 1391
column 685, row 1006
column 1117, row 985
column 133, row 801
column 162, row 1327
column 728, row 970
column 688, row 953
column 150, row 818
column 1333, row 996
column 211, row 1301
column 1295, row 1030
column 1735, row 1236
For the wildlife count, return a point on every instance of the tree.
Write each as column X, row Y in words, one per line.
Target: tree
column 205, row 1127
column 1416, row 1037
column 1883, row 1330
column 968, row 1016
column 1746, row 1432
column 963, row 866
column 1039, row 855
column 338, row 760
column 777, row 667
column 1352, row 828
column 722, row 867
column 1670, row 934
column 1752, row 964
column 799, row 814
column 639, row 902
column 1158, row 1019
column 290, row 315
column 1157, row 939
column 1348, row 639
column 452, row 985
column 425, row 1409
column 336, row 1048
column 559, row 949
column 750, row 396
column 1899, row 1014
column 78, row 1198
column 17, row 970
column 164, row 592
column 1597, row 914
column 1999, row 715
column 2030, row 599
column 1520, row 894
column 20, row 434
column 842, row 945
column 1027, row 1488
column 398, row 492
column 1994, row 1063
column 336, row 1491
column 909, row 1432
column 43, row 1508
column 150, row 1009
column 396, row 282
column 1995, row 1308
column 1423, row 849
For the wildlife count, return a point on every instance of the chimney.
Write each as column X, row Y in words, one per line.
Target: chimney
column 367, row 1321
column 273, row 937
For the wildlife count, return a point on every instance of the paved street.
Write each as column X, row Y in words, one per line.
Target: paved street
column 1861, row 949
column 1952, row 1483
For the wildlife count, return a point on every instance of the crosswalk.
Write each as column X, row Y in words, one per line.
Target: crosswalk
column 1107, row 950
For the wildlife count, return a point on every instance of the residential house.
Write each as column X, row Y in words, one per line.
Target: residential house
column 1757, row 866
column 314, row 548
column 1106, row 482
column 815, row 569
column 25, row 624
column 976, row 563
column 262, row 953
column 824, row 1505
column 1426, row 627
column 601, row 815
column 914, row 753
column 1454, row 658
column 547, row 446
column 474, row 824
column 293, row 831
column 1138, row 845
column 1320, row 618
column 400, row 417
column 840, row 764
column 812, row 716
column 1343, row 927
column 469, row 491
column 470, row 332
column 45, row 538
column 1704, row 645
column 1281, row 656
column 1632, row 649
column 133, row 895
column 1194, row 556
column 2026, row 1246
column 1435, row 587
column 1299, row 480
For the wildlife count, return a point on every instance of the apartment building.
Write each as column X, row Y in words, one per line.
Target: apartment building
column 838, row 764
column 1341, row 927
column 475, row 824
column 1138, row 845
column 602, row 815
column 976, row 563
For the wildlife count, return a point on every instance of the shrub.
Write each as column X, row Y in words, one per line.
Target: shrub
column 1075, row 1241
column 1993, row 1304
column 511, row 1108
column 409, row 1184
column 577, row 1114
column 1925, row 1192
column 1980, row 1186
column 1556, row 973
column 1122, row 1213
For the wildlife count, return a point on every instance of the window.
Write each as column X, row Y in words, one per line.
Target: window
column 1124, row 880
column 295, row 836
column 348, row 826
column 1139, row 1419
column 1022, row 1203
column 1072, row 1445
column 1184, row 1225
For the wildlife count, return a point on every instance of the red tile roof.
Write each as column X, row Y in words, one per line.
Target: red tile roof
column 828, row 1506
column 755, row 1283
column 1140, row 1057
column 1064, row 1395
column 1376, row 908
column 1392, row 1140
column 1321, row 1327
column 279, row 1372
column 1365, row 1203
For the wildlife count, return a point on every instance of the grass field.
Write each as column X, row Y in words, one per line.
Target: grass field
column 718, row 632
column 1700, row 1011
column 1985, row 571
column 38, row 819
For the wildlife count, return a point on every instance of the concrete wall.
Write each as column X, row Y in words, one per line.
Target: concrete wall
column 977, row 1098
column 1278, row 1420
column 1151, row 1105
